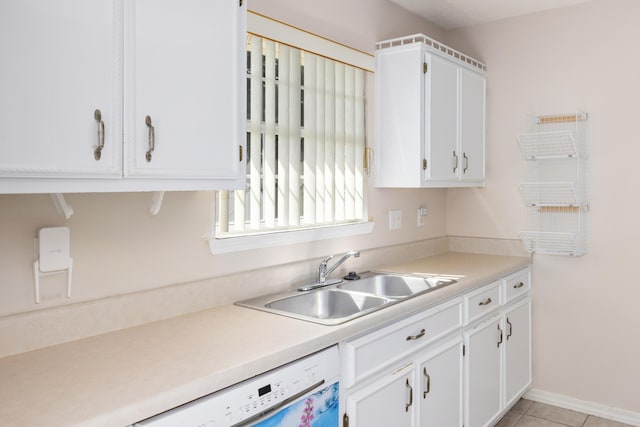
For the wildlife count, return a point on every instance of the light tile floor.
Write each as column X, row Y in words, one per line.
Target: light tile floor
column 527, row 413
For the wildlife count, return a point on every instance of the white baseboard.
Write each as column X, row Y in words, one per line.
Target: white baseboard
column 596, row 409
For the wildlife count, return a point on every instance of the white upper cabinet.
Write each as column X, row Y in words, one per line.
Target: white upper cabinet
column 183, row 69
column 179, row 63
column 440, row 118
column 430, row 115
column 60, row 65
column 472, row 126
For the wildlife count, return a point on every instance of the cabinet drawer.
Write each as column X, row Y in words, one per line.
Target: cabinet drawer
column 373, row 352
column 517, row 284
column 483, row 301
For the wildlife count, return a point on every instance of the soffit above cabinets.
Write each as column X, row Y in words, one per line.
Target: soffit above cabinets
column 451, row 14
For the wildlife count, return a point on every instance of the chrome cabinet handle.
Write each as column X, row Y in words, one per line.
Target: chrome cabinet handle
column 455, row 161
column 518, row 285
column 427, row 387
column 408, row 405
column 97, row 153
column 418, row 336
column 510, row 329
column 152, row 138
column 466, row 162
column 486, row 301
column 499, row 336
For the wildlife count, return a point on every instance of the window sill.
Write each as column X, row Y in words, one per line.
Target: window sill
column 220, row 245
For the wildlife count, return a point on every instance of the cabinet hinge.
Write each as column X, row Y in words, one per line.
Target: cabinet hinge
column 464, row 349
column 424, row 164
column 345, row 420
column 241, row 153
column 425, row 67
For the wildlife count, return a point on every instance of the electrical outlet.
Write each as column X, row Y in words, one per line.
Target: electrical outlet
column 422, row 212
column 395, row 220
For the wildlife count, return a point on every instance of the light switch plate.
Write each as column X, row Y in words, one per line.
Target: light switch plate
column 395, row 220
column 53, row 248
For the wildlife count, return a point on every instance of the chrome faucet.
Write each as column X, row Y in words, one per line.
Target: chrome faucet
column 324, row 270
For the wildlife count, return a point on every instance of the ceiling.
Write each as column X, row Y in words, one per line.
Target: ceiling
column 450, row 14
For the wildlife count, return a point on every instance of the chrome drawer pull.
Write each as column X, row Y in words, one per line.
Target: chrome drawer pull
column 500, row 336
column 415, row 337
column 406, row 408
column 428, row 385
column 455, row 161
column 518, row 285
column 97, row 153
column 486, row 301
column 152, row 138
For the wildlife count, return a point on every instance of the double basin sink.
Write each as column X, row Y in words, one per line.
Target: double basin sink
column 348, row 299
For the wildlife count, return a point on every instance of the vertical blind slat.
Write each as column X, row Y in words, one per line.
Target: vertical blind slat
column 320, row 138
column 223, row 210
column 239, row 210
column 310, row 139
column 339, row 143
column 294, row 136
column 269, row 172
column 329, row 147
column 255, row 120
column 349, row 143
column 359, row 142
column 283, row 135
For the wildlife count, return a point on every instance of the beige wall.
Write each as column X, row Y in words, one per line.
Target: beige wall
column 118, row 248
column 586, row 310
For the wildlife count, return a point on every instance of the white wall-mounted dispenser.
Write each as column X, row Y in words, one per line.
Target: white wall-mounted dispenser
column 53, row 256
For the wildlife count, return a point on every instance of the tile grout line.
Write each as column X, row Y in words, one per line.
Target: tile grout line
column 556, row 422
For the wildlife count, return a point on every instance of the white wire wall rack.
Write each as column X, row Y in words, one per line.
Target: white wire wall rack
column 554, row 190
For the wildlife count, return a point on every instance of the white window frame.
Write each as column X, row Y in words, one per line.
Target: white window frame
column 262, row 26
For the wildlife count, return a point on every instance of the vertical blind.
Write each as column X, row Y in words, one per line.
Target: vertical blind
column 305, row 143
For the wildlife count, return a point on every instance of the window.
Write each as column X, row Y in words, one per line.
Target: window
column 305, row 144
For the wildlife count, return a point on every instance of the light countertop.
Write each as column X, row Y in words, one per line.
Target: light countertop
column 122, row 377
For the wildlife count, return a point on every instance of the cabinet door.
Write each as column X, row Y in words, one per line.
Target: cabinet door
column 184, row 78
column 440, row 392
column 441, row 120
column 483, row 373
column 386, row 402
column 472, row 125
column 399, row 115
column 517, row 350
column 60, row 63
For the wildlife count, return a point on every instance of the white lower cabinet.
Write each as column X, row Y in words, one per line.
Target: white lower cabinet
column 406, row 374
column 388, row 401
column 440, row 391
column 498, row 358
column 462, row 363
column 517, row 351
column 424, row 393
column 482, row 373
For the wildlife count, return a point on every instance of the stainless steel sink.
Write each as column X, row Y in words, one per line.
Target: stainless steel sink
column 327, row 304
column 349, row 299
column 387, row 285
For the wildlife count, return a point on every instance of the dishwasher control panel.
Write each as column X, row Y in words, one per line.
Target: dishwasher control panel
column 254, row 399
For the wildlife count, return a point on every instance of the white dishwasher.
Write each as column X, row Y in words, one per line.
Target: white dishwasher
column 303, row 393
